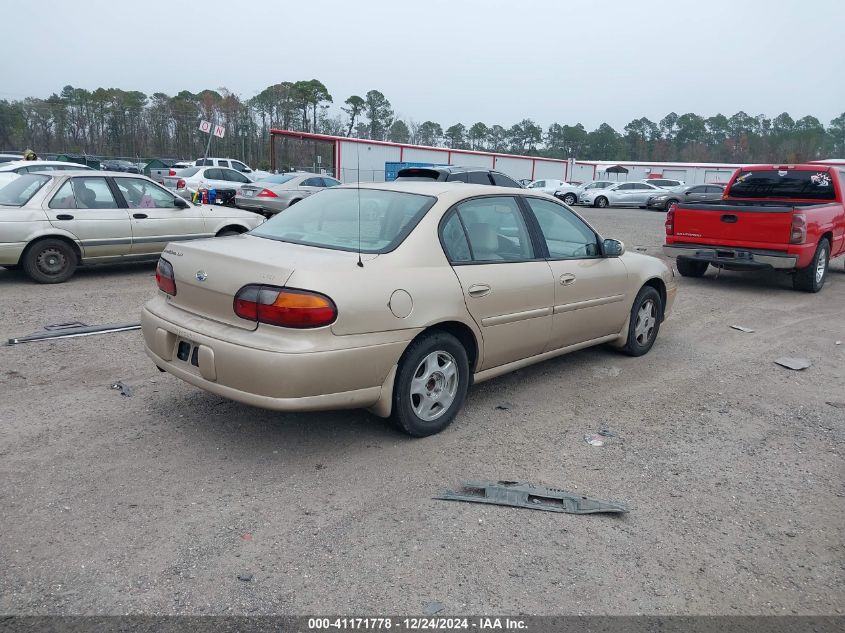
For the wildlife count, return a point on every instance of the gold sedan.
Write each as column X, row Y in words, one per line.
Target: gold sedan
column 395, row 298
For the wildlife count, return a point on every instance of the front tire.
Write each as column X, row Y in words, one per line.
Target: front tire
column 691, row 268
column 601, row 202
column 570, row 199
column 644, row 324
column 812, row 278
column 431, row 384
column 50, row 261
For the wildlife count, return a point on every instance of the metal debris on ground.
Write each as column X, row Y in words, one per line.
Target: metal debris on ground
column 245, row 577
column 433, row 608
column 838, row 405
column 793, row 363
column 595, row 439
column 64, row 326
column 525, row 495
column 742, row 328
column 838, row 343
column 125, row 390
column 503, row 407
column 74, row 331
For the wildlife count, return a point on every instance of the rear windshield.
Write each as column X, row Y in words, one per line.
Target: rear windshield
column 18, row 192
column 190, row 171
column 330, row 219
column 417, row 173
column 278, row 179
column 784, row 184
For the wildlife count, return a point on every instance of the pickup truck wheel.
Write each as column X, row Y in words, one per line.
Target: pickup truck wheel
column 431, row 384
column 644, row 323
column 812, row 278
column 49, row 261
column 691, row 268
column 570, row 199
column 601, row 202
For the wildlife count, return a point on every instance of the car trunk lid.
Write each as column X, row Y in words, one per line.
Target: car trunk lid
column 210, row 272
column 732, row 223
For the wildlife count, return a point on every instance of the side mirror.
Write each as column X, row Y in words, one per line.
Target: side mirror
column 180, row 203
column 613, row 248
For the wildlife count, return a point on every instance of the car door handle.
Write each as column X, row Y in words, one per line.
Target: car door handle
column 567, row 279
column 140, row 216
column 64, row 216
column 729, row 218
column 478, row 290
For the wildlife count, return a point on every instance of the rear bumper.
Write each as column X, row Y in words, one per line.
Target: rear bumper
column 259, row 205
column 10, row 252
column 283, row 381
column 750, row 259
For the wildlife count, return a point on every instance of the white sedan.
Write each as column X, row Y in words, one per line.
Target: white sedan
column 187, row 181
column 623, row 194
column 549, row 185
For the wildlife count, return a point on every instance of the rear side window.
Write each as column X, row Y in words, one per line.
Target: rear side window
column 784, row 184
column 201, row 162
column 459, row 177
column 64, row 197
column 222, row 163
column 495, row 229
column 479, row 178
column 455, row 240
column 93, row 193
column 501, row 180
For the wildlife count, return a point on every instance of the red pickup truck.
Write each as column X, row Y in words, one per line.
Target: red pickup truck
column 786, row 217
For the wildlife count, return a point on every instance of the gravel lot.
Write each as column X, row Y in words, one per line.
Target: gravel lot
column 732, row 467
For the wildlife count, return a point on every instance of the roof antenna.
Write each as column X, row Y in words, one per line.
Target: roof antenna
column 358, row 187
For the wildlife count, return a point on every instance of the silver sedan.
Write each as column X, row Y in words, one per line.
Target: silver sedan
column 276, row 193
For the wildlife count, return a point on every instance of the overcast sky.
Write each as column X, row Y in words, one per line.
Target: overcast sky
column 449, row 61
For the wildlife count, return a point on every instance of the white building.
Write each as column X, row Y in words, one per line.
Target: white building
column 360, row 159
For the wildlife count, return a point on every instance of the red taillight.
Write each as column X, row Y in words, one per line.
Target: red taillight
column 164, row 277
column 670, row 220
column 285, row 307
column 798, row 231
column 172, row 172
column 266, row 193
column 180, row 184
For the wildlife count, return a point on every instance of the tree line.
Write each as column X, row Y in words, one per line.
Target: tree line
column 114, row 122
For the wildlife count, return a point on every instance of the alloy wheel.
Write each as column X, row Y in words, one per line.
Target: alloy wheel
column 434, row 385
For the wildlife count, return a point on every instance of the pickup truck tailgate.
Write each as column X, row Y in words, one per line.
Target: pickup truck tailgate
column 734, row 224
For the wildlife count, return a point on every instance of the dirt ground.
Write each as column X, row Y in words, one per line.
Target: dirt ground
column 732, row 467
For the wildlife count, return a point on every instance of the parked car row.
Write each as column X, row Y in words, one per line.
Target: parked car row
column 53, row 221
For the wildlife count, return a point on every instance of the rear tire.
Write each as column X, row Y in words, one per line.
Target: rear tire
column 431, row 384
column 601, row 202
column 570, row 199
column 691, row 268
column 50, row 261
column 646, row 314
column 812, row 278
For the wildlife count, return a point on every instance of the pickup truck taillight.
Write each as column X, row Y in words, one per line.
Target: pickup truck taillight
column 798, row 232
column 164, row 277
column 670, row 221
column 284, row 306
column 180, row 184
